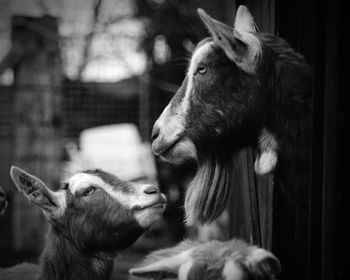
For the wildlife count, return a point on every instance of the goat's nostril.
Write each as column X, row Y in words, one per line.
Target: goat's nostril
column 155, row 132
column 151, row 190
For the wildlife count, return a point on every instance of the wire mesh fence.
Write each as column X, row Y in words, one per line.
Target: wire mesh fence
column 90, row 105
column 82, row 106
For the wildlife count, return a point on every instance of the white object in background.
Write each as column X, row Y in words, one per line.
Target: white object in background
column 118, row 149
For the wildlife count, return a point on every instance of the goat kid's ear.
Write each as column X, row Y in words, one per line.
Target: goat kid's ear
column 225, row 37
column 35, row 191
column 167, row 267
column 263, row 264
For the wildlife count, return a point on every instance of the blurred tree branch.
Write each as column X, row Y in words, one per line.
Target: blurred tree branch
column 44, row 7
column 89, row 37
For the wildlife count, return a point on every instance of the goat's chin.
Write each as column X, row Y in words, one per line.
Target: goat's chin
column 183, row 151
column 149, row 216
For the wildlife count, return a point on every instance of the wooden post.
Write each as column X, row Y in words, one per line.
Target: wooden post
column 37, row 119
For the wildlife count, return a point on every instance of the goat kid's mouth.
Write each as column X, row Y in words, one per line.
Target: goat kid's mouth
column 161, row 202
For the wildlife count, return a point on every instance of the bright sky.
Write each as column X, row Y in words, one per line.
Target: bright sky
column 114, row 52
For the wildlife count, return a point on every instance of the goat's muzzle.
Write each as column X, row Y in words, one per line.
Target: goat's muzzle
column 161, row 202
column 150, row 206
column 171, row 145
column 160, row 147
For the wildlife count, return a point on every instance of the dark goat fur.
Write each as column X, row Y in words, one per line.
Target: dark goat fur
column 88, row 225
column 285, row 88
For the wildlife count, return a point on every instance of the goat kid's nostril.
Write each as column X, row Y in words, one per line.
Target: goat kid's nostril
column 155, row 132
column 151, row 190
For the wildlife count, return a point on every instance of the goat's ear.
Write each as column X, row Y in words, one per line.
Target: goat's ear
column 224, row 36
column 263, row 264
column 244, row 21
column 241, row 47
column 166, row 267
column 36, row 191
column 266, row 159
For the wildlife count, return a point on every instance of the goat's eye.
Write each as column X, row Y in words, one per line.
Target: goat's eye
column 201, row 69
column 90, row 190
column 65, row 186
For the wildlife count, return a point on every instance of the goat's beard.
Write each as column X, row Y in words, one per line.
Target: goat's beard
column 209, row 190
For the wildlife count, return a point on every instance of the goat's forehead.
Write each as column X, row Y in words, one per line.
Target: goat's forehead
column 83, row 180
column 202, row 51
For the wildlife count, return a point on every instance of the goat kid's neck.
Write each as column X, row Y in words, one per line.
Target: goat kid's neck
column 62, row 260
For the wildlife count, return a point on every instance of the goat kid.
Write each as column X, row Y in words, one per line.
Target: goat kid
column 230, row 260
column 3, row 201
column 91, row 218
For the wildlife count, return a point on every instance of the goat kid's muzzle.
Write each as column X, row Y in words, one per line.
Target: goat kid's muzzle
column 161, row 202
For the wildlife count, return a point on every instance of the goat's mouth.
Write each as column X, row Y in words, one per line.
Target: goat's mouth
column 163, row 148
column 160, row 203
column 175, row 152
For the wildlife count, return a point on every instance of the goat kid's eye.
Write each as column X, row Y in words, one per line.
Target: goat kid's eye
column 35, row 194
column 90, row 190
column 201, row 69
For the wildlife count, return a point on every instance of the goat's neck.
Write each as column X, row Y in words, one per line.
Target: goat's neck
column 62, row 260
column 294, row 150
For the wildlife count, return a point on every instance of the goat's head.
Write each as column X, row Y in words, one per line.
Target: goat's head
column 234, row 259
column 219, row 97
column 218, row 110
column 94, row 209
column 3, row 201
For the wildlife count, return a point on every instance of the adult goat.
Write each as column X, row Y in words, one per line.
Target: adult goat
column 243, row 88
